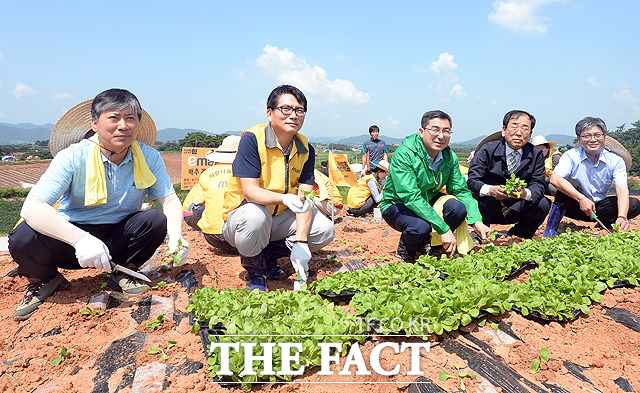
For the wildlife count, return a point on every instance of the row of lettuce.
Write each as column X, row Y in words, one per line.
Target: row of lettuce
column 429, row 297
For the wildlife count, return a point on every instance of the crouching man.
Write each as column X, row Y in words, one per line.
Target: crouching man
column 265, row 210
column 102, row 170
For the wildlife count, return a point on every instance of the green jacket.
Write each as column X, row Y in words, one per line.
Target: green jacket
column 413, row 183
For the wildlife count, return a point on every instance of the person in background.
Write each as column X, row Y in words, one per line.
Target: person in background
column 551, row 159
column 366, row 194
column 202, row 207
column 497, row 157
column 266, row 212
column 103, row 167
column 324, row 168
column 412, row 201
column 583, row 178
column 323, row 187
column 373, row 151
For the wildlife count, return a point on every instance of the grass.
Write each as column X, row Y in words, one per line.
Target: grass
column 9, row 214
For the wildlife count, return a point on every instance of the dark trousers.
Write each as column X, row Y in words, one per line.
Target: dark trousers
column 131, row 243
column 416, row 231
column 526, row 221
column 367, row 207
column 606, row 209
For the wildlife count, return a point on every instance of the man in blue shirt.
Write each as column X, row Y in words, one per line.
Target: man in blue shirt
column 373, row 151
column 583, row 177
column 101, row 183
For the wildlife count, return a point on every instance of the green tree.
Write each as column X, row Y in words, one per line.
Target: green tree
column 630, row 139
column 200, row 139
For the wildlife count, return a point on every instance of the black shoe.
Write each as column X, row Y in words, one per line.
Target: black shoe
column 403, row 254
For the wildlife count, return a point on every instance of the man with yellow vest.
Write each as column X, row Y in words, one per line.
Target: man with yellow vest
column 366, row 194
column 202, row 208
column 551, row 159
column 266, row 212
column 323, row 202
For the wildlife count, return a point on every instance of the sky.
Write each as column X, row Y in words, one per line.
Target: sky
column 210, row 65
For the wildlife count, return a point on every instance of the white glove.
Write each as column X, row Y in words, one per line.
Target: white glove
column 178, row 246
column 300, row 256
column 92, row 252
column 296, row 205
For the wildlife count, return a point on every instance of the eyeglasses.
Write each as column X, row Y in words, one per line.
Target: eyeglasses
column 595, row 135
column 514, row 128
column 435, row 131
column 287, row 110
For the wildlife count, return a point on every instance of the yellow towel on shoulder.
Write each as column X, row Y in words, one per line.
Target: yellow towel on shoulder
column 95, row 188
column 463, row 239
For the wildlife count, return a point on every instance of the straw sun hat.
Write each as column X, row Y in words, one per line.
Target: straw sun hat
column 541, row 140
column 491, row 137
column 226, row 152
column 615, row 147
column 74, row 125
column 384, row 165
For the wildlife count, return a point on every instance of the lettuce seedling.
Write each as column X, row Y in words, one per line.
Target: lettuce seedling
column 155, row 323
column 512, row 184
column 160, row 349
column 443, row 375
column 90, row 313
column 64, row 354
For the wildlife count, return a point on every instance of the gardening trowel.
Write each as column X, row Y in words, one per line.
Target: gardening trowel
column 600, row 222
column 129, row 272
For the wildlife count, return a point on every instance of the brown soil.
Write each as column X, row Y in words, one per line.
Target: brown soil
column 111, row 350
column 606, row 349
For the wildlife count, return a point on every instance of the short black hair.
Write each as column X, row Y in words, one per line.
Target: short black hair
column 272, row 101
column 517, row 113
column 590, row 122
column 373, row 128
column 324, row 163
column 437, row 114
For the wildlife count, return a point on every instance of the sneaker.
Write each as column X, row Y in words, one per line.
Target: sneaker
column 37, row 293
column 258, row 282
column 128, row 285
column 276, row 274
column 402, row 253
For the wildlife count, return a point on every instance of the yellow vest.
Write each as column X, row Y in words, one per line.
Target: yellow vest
column 359, row 193
column 275, row 174
column 210, row 191
column 548, row 163
column 324, row 188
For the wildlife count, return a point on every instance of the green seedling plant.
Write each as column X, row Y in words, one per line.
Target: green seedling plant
column 341, row 241
column 443, row 375
column 512, row 184
column 359, row 249
column 381, row 259
column 311, row 195
column 161, row 350
column 175, row 258
column 100, row 287
column 88, row 312
column 333, row 260
column 64, row 354
column 163, row 284
column 544, row 357
column 156, row 322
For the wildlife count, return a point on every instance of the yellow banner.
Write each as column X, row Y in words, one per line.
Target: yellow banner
column 193, row 164
column 340, row 171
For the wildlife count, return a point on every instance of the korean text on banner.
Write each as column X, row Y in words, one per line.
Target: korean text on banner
column 340, row 171
column 193, row 164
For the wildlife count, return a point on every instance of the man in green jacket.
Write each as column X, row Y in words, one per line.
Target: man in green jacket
column 419, row 170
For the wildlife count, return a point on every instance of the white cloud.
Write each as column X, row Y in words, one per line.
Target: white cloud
column 444, row 63
column 0, row 55
column 592, row 81
column 22, row 89
column 1, row 115
column 520, row 15
column 457, row 92
column 61, row 96
column 392, row 123
column 289, row 68
column 446, row 80
column 625, row 96
column 242, row 76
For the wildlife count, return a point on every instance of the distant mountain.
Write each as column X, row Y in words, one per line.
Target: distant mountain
column 29, row 126
column 14, row 134
column 561, row 139
column 360, row 139
column 175, row 134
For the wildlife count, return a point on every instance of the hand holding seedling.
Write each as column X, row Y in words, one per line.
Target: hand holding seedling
column 514, row 187
column 297, row 204
column 177, row 251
